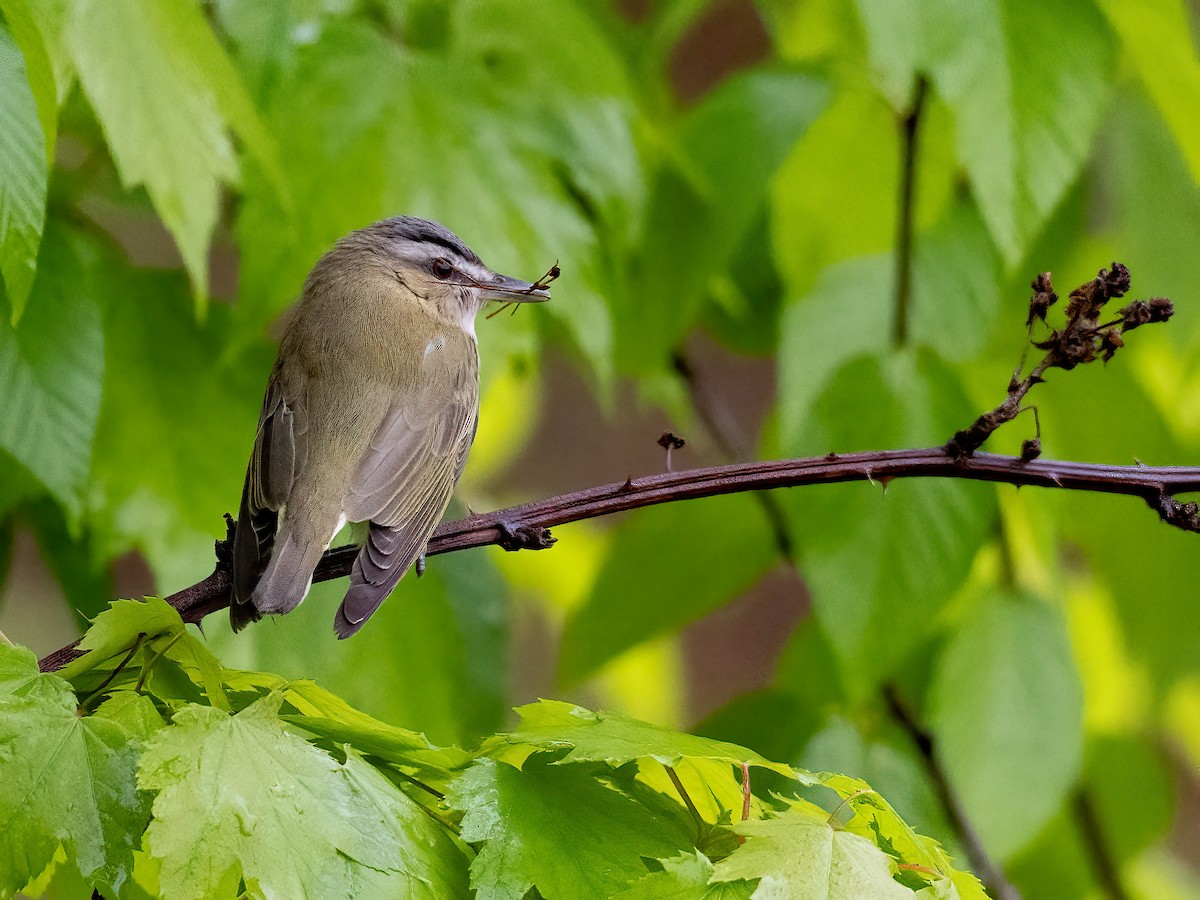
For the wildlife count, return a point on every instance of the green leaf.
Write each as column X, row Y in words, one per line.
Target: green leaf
column 1155, row 202
column 22, row 177
column 956, row 295
column 860, row 809
column 405, row 853
column 176, row 427
column 798, row 854
column 38, row 67
column 850, row 311
column 67, row 779
column 444, row 636
column 686, row 877
column 116, row 629
column 890, row 767
column 134, row 712
column 330, row 717
column 558, row 829
column 146, row 68
column 153, row 630
column 847, row 314
column 1156, row 35
column 613, row 739
column 50, row 19
column 652, row 583
column 1007, row 709
column 728, row 148
column 882, row 565
column 1130, row 785
column 1025, row 112
column 239, row 797
column 51, row 371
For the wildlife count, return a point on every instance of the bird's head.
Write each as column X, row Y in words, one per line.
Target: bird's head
column 440, row 272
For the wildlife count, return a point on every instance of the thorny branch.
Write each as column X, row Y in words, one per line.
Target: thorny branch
column 527, row 527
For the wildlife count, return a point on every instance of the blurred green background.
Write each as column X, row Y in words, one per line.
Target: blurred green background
column 722, row 185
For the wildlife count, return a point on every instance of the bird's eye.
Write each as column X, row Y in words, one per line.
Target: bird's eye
column 441, row 268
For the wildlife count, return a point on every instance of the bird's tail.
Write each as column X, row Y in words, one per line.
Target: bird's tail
column 378, row 568
column 284, row 582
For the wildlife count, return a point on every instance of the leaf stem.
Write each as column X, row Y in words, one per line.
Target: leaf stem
column 687, row 800
column 745, row 791
column 149, row 665
column 115, row 672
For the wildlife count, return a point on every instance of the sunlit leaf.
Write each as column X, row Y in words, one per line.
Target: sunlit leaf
column 595, row 850
column 146, row 68
column 51, row 369
column 1007, row 709
column 22, row 177
column 67, row 780
column 232, row 791
column 799, row 853
column 614, row 739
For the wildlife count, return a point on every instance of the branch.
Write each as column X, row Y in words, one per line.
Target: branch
column 527, row 527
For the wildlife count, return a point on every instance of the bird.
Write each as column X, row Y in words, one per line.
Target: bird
column 369, row 414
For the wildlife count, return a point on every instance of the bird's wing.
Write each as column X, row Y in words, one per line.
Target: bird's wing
column 280, row 450
column 403, row 486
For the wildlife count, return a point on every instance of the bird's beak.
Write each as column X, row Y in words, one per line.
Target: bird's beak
column 513, row 290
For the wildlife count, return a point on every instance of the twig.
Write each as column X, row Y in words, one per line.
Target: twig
column 981, row 862
column 526, row 527
column 1096, row 844
column 904, row 226
column 1082, row 340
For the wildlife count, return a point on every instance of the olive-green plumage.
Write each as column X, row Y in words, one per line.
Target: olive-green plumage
column 369, row 416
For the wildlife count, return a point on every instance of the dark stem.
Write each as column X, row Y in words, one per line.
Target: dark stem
column 981, row 862
column 526, row 526
column 1099, row 852
column 904, row 226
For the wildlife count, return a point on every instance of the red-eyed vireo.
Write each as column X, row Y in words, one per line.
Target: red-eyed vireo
column 369, row 415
